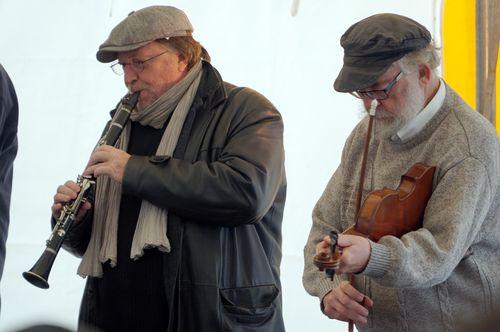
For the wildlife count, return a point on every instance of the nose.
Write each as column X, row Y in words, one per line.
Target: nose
column 367, row 102
column 129, row 74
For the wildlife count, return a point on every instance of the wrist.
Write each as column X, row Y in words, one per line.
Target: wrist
column 322, row 302
column 368, row 251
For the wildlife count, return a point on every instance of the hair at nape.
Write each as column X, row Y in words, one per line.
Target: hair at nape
column 427, row 55
column 188, row 47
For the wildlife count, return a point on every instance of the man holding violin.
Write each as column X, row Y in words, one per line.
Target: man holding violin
column 445, row 271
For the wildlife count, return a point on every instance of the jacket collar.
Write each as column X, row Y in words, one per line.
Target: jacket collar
column 212, row 90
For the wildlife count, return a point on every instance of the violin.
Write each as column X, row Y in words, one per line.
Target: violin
column 396, row 212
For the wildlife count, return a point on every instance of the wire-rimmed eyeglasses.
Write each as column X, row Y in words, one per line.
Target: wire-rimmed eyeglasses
column 378, row 94
column 136, row 65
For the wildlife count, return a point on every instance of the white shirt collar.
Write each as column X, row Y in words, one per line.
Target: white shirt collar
column 424, row 116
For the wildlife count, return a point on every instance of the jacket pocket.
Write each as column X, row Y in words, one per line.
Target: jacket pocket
column 252, row 304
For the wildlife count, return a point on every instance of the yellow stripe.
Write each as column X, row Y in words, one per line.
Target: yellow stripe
column 459, row 48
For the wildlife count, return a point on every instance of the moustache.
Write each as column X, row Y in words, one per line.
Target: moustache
column 383, row 113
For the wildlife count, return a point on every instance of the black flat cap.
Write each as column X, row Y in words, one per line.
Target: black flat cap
column 373, row 44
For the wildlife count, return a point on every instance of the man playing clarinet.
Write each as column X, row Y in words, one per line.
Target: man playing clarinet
column 184, row 233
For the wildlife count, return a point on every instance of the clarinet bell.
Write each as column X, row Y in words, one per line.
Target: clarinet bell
column 39, row 274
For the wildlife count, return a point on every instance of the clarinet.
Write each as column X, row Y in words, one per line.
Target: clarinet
column 39, row 273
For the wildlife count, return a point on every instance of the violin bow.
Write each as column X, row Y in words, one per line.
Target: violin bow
column 373, row 107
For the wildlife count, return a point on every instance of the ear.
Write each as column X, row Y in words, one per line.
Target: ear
column 424, row 73
column 182, row 63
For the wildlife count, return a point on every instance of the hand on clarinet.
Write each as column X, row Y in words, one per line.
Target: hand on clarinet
column 107, row 160
column 65, row 193
column 346, row 303
column 355, row 252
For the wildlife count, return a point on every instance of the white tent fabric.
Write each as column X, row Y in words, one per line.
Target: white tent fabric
column 287, row 50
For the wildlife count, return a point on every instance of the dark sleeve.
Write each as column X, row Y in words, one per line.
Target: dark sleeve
column 78, row 237
column 8, row 129
column 238, row 188
column 8, row 150
column 8, row 117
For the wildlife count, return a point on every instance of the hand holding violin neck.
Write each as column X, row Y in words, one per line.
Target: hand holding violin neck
column 329, row 262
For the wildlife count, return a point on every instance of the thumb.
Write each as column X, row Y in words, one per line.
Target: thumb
column 345, row 240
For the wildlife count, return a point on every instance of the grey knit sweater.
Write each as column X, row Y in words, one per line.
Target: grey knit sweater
column 449, row 270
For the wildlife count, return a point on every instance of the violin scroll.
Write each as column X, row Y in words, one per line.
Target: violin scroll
column 329, row 262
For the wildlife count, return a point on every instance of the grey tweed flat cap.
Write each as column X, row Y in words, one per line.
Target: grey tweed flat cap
column 142, row 27
column 373, row 44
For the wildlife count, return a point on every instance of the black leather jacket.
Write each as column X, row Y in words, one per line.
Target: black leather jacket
column 224, row 188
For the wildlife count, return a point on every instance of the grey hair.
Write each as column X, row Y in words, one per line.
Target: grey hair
column 191, row 49
column 427, row 55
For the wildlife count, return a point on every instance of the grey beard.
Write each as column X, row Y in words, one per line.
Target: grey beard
column 388, row 125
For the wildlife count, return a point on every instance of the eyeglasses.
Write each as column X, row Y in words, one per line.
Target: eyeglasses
column 378, row 94
column 137, row 65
